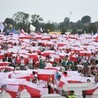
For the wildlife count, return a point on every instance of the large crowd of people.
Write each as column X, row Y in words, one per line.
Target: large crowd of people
column 63, row 56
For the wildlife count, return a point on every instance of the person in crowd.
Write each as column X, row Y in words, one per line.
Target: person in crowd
column 22, row 63
column 5, row 57
column 41, row 63
column 57, row 83
column 93, row 71
column 85, row 65
column 65, row 73
column 92, row 58
column 80, row 66
column 88, row 81
column 34, row 77
column 14, row 64
column 30, row 63
column 52, row 87
column 35, row 74
column 64, row 62
column 96, row 57
column 96, row 79
column 10, row 60
column 71, row 94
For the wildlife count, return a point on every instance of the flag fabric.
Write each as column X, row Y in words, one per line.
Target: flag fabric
column 46, row 74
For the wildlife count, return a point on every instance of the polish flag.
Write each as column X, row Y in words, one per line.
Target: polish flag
column 62, row 80
column 26, row 76
column 53, row 68
column 46, row 74
column 7, row 67
column 33, row 89
column 13, row 88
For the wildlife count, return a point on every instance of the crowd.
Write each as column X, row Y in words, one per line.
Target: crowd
column 86, row 65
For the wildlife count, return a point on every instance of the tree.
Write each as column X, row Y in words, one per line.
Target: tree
column 96, row 23
column 74, row 31
column 21, row 17
column 63, row 30
column 86, row 20
column 61, row 25
column 36, row 19
column 92, row 28
column 79, row 24
column 49, row 26
column 22, row 20
column 9, row 24
column 65, row 25
column 9, row 21
column 67, row 22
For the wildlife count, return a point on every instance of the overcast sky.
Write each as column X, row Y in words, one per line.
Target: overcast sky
column 53, row 10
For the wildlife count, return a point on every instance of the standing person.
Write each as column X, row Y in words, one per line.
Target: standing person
column 53, row 86
column 96, row 79
column 63, row 62
column 41, row 63
column 30, row 63
column 22, row 65
column 10, row 60
column 5, row 57
column 57, row 83
column 96, row 57
column 97, row 70
column 80, row 67
column 86, row 68
column 14, row 61
column 93, row 71
column 92, row 58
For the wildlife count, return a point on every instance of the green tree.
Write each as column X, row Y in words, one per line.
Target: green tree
column 61, row 25
column 86, row 20
column 86, row 29
column 21, row 17
column 65, row 25
column 74, row 31
column 79, row 24
column 73, row 27
column 9, row 22
column 36, row 19
column 92, row 28
column 22, row 20
column 96, row 23
column 67, row 22
column 63, row 30
column 49, row 26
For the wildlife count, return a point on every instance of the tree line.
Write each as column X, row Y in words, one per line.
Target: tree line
column 21, row 20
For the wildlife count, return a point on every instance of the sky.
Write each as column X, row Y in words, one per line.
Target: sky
column 51, row 10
